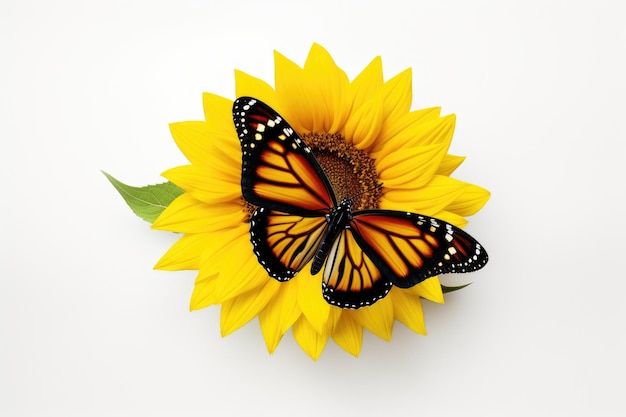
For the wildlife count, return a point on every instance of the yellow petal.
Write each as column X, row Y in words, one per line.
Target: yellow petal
column 200, row 251
column 203, row 290
column 377, row 318
column 385, row 107
column 206, row 148
column 398, row 95
column 218, row 112
column 407, row 308
column 187, row 215
column 310, row 341
column 334, row 314
column 348, row 334
column 429, row 289
column 438, row 131
column 449, row 164
column 185, row 253
column 226, row 164
column 362, row 127
column 333, row 85
column 280, row 314
column 192, row 139
column 470, row 201
column 236, row 273
column 311, row 301
column 241, row 309
column 367, row 83
column 407, row 121
column 296, row 96
column 314, row 98
column 410, row 168
column 435, row 196
column 239, row 268
column 247, row 85
column 209, row 185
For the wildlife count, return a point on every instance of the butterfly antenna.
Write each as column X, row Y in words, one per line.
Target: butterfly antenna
column 369, row 190
column 363, row 202
column 347, row 174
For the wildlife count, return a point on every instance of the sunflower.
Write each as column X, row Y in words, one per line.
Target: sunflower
column 366, row 124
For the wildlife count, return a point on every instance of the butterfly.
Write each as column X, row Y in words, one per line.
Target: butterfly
column 298, row 220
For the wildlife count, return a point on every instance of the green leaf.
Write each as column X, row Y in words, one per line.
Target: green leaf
column 445, row 289
column 149, row 201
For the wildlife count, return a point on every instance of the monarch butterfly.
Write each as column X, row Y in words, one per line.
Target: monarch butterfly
column 298, row 219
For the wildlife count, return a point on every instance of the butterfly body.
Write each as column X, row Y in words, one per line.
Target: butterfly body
column 299, row 220
column 338, row 219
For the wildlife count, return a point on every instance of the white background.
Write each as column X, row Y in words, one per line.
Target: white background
column 87, row 328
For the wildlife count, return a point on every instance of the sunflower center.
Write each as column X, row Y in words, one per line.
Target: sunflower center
column 351, row 172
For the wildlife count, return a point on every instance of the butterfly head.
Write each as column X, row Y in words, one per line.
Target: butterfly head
column 343, row 209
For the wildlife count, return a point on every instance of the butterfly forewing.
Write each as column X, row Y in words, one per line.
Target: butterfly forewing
column 278, row 169
column 408, row 247
column 285, row 243
column 351, row 279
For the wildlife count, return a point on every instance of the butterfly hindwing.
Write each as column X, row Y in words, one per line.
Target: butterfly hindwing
column 351, row 279
column 408, row 247
column 278, row 169
column 284, row 243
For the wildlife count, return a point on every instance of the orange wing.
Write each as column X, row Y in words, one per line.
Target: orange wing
column 285, row 243
column 408, row 247
column 278, row 170
column 351, row 279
